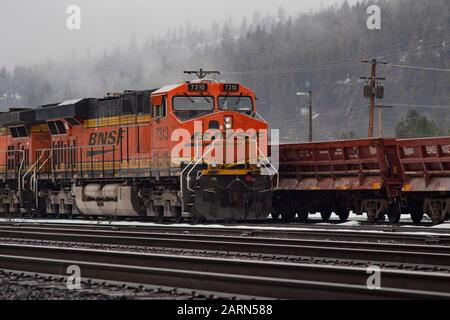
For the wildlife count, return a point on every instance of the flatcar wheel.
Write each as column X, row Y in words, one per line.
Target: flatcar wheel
column 394, row 213
column 343, row 215
column 325, row 214
column 417, row 216
column 436, row 217
column 394, row 217
column 372, row 218
column 436, row 220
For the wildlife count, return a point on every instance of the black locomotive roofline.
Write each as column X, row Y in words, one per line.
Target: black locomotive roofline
column 18, row 116
column 128, row 102
column 66, row 109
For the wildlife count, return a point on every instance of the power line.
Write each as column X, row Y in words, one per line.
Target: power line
column 432, row 44
column 418, row 68
column 417, row 105
column 299, row 69
column 347, row 62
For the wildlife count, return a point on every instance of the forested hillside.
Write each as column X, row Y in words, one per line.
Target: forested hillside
column 277, row 56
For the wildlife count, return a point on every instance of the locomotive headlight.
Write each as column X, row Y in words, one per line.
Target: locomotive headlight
column 228, row 122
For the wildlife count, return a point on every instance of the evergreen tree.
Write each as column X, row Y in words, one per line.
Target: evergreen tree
column 417, row 126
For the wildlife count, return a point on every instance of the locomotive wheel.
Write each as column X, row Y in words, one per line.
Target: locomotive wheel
column 343, row 215
column 178, row 218
column 275, row 215
column 197, row 218
column 303, row 216
column 325, row 214
column 288, row 214
column 159, row 216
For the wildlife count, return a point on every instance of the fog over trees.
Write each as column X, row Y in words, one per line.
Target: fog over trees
column 277, row 56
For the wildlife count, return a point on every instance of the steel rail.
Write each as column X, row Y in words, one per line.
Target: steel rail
column 144, row 224
column 376, row 253
column 404, row 236
column 267, row 279
column 11, row 231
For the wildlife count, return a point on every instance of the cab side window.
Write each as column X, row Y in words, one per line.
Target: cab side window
column 160, row 111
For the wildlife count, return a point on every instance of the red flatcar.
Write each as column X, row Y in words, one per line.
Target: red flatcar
column 339, row 176
column 426, row 169
column 379, row 177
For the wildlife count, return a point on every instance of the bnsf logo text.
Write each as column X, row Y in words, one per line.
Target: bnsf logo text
column 105, row 138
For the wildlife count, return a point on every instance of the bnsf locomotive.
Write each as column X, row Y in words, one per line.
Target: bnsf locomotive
column 151, row 153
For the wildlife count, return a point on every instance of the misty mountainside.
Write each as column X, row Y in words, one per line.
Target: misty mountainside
column 277, row 56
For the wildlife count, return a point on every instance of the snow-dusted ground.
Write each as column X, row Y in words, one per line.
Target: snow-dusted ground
column 354, row 220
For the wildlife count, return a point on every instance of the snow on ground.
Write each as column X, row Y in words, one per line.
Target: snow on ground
column 445, row 225
column 354, row 220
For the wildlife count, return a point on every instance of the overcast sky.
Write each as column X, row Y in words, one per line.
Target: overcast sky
column 33, row 31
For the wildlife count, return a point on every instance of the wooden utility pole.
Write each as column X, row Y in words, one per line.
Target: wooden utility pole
column 369, row 92
column 372, row 98
column 310, row 116
column 380, row 123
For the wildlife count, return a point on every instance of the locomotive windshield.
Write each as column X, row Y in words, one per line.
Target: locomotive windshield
column 235, row 103
column 193, row 103
column 189, row 107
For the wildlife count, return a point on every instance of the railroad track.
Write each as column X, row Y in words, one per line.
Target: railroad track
column 437, row 255
column 269, row 224
column 254, row 278
column 404, row 236
column 235, row 260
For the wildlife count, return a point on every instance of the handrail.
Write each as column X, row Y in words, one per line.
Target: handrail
column 31, row 168
column 77, row 147
column 22, row 152
column 33, row 181
column 198, row 161
column 33, row 177
column 187, row 177
column 271, row 165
